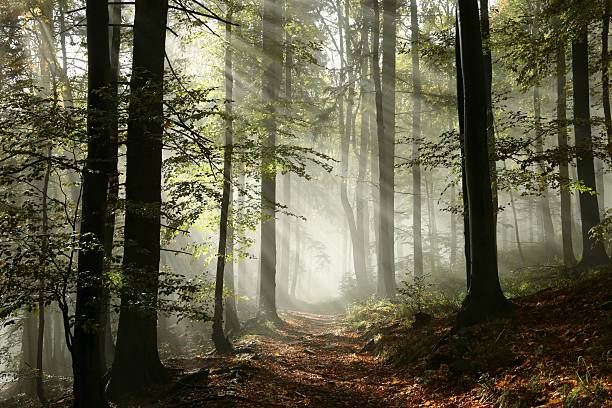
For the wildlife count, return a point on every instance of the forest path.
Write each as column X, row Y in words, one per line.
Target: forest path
column 311, row 360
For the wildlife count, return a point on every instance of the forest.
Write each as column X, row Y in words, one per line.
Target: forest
column 305, row 203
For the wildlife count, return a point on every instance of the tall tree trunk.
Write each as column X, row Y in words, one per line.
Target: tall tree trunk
column 593, row 253
column 232, row 323
column 88, row 347
column 361, row 204
column 386, row 151
column 220, row 340
column 461, row 117
column 569, row 259
column 547, row 224
column 272, row 37
column 485, row 298
column 380, row 132
column 374, row 129
column 416, row 136
column 137, row 364
column 453, row 198
column 344, row 124
column 488, row 61
column 114, row 14
column 286, row 241
column 605, row 69
column 40, row 392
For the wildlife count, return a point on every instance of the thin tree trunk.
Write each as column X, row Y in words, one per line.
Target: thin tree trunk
column 432, row 225
column 488, row 60
column 547, row 224
column 232, row 323
column 40, row 392
column 380, row 132
column 361, row 205
column 270, row 90
column 286, row 241
column 386, row 151
column 137, row 364
column 344, row 125
column 566, row 201
column 416, row 134
column 461, row 117
column 593, row 253
column 220, row 340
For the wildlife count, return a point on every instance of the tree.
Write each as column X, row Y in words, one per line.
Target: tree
column 88, row 347
column 416, row 136
column 386, row 152
column 569, row 259
column 485, row 32
column 270, row 91
column 485, row 298
column 222, row 343
column 137, row 364
column 593, row 253
column 345, row 119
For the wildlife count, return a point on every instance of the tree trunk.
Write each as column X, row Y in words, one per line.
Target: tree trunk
column 376, row 129
column 361, row 204
column 605, row 95
column 40, row 392
column 547, row 224
column 137, row 364
column 488, row 61
column 461, row 117
column 271, row 87
column 27, row 361
column 569, row 259
column 432, row 225
column 416, row 135
column 485, row 298
column 114, row 14
column 386, row 151
column 344, row 125
column 220, row 340
column 286, row 241
column 88, row 347
column 593, row 253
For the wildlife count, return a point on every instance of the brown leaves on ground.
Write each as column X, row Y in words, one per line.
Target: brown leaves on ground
column 555, row 350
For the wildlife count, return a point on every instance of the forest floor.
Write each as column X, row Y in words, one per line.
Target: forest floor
column 554, row 350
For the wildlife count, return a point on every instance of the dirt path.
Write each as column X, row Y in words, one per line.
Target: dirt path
column 311, row 360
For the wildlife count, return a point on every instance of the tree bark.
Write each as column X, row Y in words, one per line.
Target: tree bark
column 593, row 253
column 461, row 116
column 386, row 151
column 547, row 223
column 137, row 364
column 271, row 87
column 344, row 125
column 88, row 346
column 114, row 12
column 380, row 132
column 485, row 298
column 488, row 61
column 569, row 259
column 416, row 136
column 220, row 340
column 361, row 205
